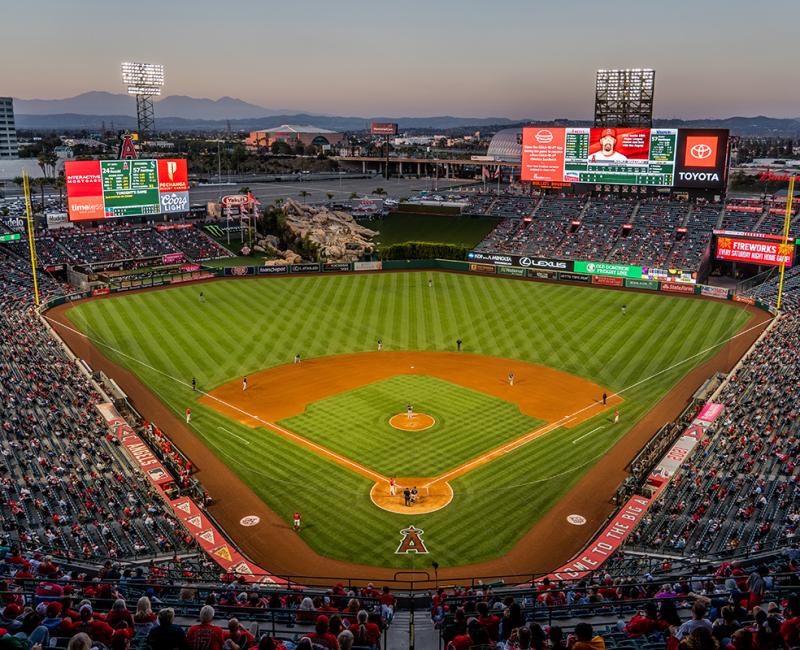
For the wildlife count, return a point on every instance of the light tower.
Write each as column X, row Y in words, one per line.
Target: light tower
column 624, row 97
column 144, row 81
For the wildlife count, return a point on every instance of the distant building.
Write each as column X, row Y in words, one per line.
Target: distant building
column 292, row 134
column 506, row 145
column 8, row 131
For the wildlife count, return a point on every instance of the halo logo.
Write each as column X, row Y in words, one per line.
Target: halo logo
column 544, row 136
column 172, row 167
column 701, row 151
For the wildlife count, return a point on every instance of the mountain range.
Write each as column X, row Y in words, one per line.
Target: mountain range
column 92, row 110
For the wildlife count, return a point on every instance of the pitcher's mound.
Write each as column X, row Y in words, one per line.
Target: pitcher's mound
column 417, row 422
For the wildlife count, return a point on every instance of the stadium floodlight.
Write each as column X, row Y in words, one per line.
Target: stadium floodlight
column 144, row 80
column 624, row 97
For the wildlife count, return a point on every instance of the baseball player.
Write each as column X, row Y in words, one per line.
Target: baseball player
column 624, row 309
column 380, row 345
column 458, row 344
column 188, row 415
column 297, row 358
column 410, row 411
column 244, row 383
column 430, row 283
column 194, row 384
column 616, row 416
column 605, row 399
column 296, row 524
column 202, row 297
column 510, row 378
column 392, row 487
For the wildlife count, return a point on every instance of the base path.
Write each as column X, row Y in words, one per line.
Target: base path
column 549, row 543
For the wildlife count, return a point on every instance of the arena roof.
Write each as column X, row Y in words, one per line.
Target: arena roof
column 294, row 128
column 506, row 145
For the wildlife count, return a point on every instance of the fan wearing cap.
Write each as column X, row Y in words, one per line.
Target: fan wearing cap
column 608, row 144
column 322, row 636
column 98, row 630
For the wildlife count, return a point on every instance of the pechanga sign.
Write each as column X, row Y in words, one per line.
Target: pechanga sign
column 615, row 270
column 522, row 261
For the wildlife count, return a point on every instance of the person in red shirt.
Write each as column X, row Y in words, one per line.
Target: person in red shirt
column 790, row 628
column 364, row 632
column 321, row 635
column 204, row 635
column 296, row 518
column 119, row 613
column 238, row 635
column 388, row 602
column 487, row 620
column 98, row 631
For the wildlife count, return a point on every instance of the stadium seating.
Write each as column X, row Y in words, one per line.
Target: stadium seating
column 67, row 488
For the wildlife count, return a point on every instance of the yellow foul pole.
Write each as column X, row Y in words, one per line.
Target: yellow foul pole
column 31, row 242
column 785, row 241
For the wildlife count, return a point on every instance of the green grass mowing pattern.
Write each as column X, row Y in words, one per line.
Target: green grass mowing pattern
column 400, row 227
column 247, row 325
column 356, row 425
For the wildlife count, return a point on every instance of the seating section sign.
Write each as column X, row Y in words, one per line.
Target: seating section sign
column 102, row 189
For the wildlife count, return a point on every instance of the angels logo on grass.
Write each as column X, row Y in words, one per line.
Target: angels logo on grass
column 411, row 542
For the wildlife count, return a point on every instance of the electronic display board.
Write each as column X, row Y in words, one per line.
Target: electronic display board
column 101, row 189
column 753, row 248
column 625, row 156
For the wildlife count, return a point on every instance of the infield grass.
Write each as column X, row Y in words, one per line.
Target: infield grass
column 356, row 425
column 168, row 336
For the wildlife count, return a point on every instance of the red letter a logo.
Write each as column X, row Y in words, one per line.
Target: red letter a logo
column 411, row 542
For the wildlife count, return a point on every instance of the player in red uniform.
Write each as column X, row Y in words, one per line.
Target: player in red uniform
column 296, row 525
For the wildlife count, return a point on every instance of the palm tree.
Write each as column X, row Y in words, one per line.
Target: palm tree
column 379, row 191
column 244, row 190
column 304, row 195
column 41, row 183
column 278, row 202
column 353, row 196
column 61, row 184
column 330, row 196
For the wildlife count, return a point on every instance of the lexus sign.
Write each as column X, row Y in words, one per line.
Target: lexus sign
column 524, row 261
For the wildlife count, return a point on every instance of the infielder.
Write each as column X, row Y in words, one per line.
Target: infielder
column 392, row 487
column 410, row 411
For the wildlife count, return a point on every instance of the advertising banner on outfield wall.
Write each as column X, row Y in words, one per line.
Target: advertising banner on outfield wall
column 602, row 268
column 606, row 542
column 311, row 267
column 482, row 268
column 631, row 283
column 239, row 270
column 336, row 266
column 676, row 287
column 608, row 280
column 542, row 275
column 575, row 277
column 273, row 269
column 713, row 292
column 523, row 261
column 367, row 266
column 511, row 270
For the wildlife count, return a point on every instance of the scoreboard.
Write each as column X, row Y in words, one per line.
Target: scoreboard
column 130, row 187
column 625, row 156
column 101, row 189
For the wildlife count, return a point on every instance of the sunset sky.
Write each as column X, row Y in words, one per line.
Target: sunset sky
column 510, row 58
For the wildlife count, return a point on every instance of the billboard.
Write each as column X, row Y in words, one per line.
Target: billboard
column 383, row 128
column 625, row 156
column 101, row 189
column 752, row 251
column 503, row 259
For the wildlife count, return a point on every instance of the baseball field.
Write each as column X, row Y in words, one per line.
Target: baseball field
column 490, row 457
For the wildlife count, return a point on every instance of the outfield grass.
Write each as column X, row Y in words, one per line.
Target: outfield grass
column 247, row 325
column 356, row 424
column 399, row 227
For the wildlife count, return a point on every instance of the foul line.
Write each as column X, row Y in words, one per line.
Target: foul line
column 244, row 440
column 586, row 434
column 504, row 449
